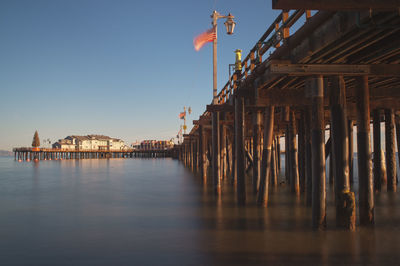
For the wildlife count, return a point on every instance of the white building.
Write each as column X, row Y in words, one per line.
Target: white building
column 90, row 142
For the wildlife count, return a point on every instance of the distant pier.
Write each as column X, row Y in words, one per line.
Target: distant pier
column 39, row 154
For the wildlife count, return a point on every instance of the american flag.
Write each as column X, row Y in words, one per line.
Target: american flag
column 207, row 36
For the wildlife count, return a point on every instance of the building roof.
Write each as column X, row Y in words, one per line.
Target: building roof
column 92, row 137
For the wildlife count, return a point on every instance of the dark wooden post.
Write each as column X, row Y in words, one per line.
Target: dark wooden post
column 390, row 150
column 234, row 168
column 274, row 175
column 377, row 159
column 202, row 151
column 262, row 198
column 294, row 170
column 318, row 154
column 278, row 156
column 345, row 200
column 191, row 152
column 301, row 153
column 256, row 149
column 239, row 146
column 287, row 157
column 331, row 159
column 197, row 155
column 223, row 151
column 285, row 118
column 351, row 151
column 215, row 152
column 397, row 120
column 308, row 155
column 366, row 185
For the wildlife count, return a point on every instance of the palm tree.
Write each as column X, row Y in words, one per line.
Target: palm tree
column 36, row 140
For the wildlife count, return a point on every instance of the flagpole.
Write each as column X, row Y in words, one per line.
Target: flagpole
column 215, row 115
column 184, row 120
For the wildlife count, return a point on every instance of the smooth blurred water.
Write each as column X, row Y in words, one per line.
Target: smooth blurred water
column 156, row 212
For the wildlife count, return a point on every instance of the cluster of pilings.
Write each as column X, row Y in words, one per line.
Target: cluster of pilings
column 37, row 154
column 320, row 80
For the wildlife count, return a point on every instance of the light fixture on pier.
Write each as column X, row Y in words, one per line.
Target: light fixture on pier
column 230, row 24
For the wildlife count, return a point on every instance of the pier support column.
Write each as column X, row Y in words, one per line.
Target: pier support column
column 202, row 153
column 390, row 150
column 192, row 153
column 318, row 154
column 308, row 155
column 377, row 159
column 366, row 185
column 301, row 153
column 350, row 126
column 223, row 151
column 331, row 158
column 278, row 155
column 256, row 149
column 344, row 198
column 397, row 121
column 262, row 197
column 287, row 157
column 234, row 168
column 294, row 170
column 274, row 174
column 215, row 152
column 239, row 146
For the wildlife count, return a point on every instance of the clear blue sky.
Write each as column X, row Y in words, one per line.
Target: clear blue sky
column 122, row 68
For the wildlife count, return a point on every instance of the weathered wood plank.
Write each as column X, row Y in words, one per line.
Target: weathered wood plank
column 383, row 70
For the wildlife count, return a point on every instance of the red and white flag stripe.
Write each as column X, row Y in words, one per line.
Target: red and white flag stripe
column 205, row 37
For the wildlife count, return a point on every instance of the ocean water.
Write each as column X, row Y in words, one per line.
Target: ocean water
column 157, row 212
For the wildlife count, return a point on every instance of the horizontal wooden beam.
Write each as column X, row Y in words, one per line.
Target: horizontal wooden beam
column 220, row 108
column 336, row 4
column 255, row 108
column 382, row 70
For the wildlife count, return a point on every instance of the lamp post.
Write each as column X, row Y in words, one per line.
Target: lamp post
column 230, row 26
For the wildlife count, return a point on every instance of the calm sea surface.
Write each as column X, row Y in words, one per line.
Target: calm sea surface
column 156, row 212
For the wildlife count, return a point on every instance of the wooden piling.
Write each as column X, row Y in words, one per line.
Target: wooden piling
column 377, row 159
column 202, row 151
column 318, row 154
column 239, row 146
column 262, row 198
column 278, row 155
column 308, row 155
column 223, row 152
column 274, row 174
column 301, row 152
column 351, row 151
column 331, row 159
column 344, row 199
column 366, row 193
column 256, row 149
column 216, row 152
column 397, row 121
column 294, row 170
column 287, row 158
column 390, row 150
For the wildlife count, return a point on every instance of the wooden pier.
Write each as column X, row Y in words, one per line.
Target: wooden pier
column 328, row 75
column 32, row 154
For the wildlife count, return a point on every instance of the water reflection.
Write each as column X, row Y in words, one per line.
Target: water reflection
column 156, row 212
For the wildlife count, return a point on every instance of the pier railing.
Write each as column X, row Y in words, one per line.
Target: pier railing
column 274, row 37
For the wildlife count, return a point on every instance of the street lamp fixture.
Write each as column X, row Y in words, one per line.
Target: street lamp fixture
column 230, row 24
